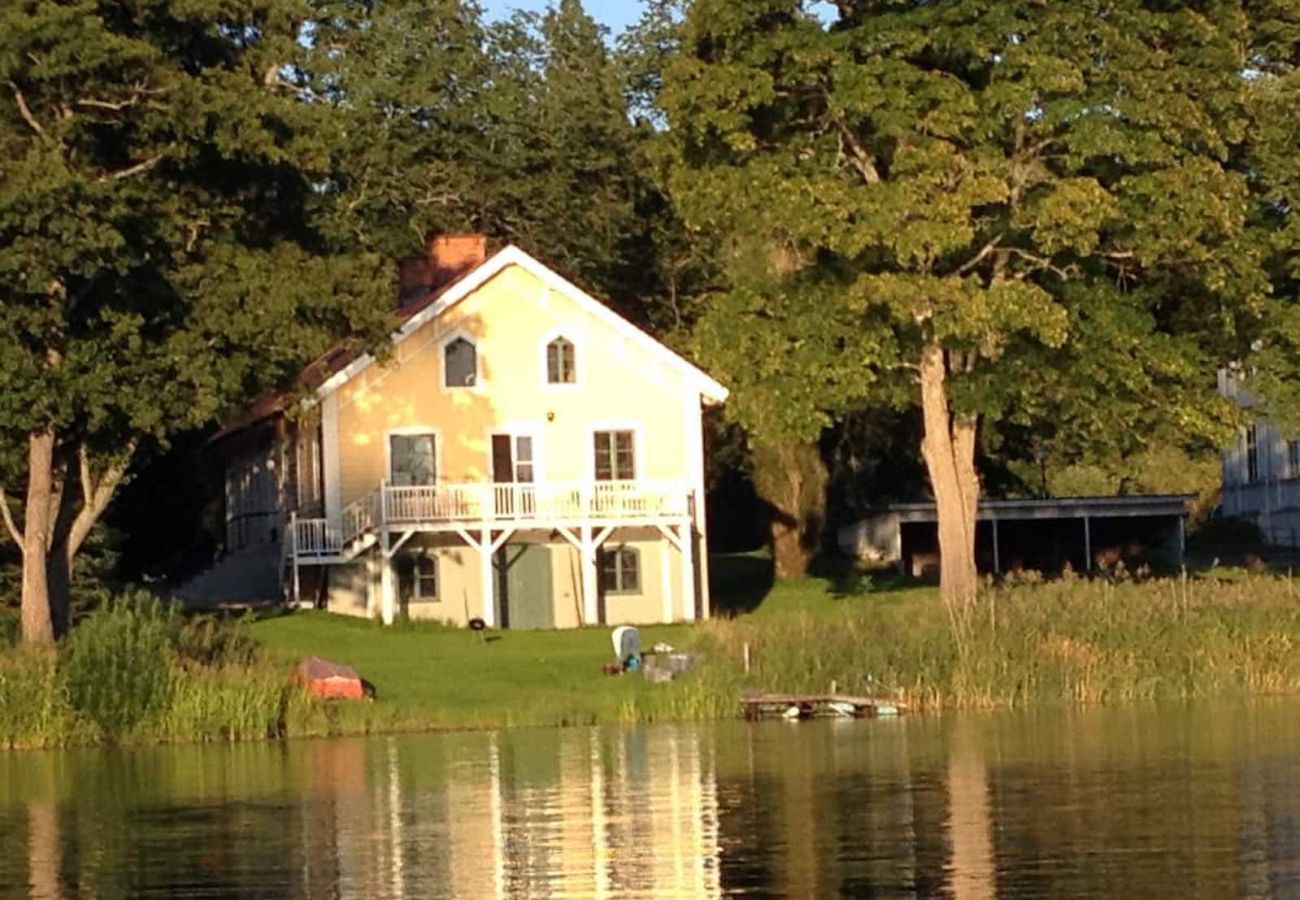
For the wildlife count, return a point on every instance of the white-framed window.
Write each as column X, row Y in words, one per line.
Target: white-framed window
column 561, row 361
column 620, row 570
column 424, row 579
column 417, row 577
column 615, row 455
column 459, row 363
column 412, row 459
column 1252, row 455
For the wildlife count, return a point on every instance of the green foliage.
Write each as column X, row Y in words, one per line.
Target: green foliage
column 118, row 664
column 212, row 641
column 518, row 129
column 34, row 707
column 1055, row 193
column 163, row 255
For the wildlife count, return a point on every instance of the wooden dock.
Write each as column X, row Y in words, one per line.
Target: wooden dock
column 812, row 706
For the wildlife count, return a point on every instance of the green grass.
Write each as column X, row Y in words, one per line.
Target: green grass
column 1065, row 641
column 429, row 676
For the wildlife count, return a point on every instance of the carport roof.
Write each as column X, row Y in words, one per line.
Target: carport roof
column 1128, row 506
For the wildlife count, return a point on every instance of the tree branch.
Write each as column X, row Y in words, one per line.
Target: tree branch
column 110, row 105
column 9, row 522
column 26, row 113
column 96, row 496
column 142, row 166
column 863, row 161
column 1041, row 262
column 981, row 256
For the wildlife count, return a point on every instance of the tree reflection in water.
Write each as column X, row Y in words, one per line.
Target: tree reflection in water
column 1064, row 804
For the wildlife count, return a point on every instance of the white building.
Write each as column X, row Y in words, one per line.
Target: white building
column 1261, row 473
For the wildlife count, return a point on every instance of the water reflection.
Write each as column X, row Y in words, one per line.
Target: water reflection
column 1155, row 803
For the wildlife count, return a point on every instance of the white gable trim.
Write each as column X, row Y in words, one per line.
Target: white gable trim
column 710, row 389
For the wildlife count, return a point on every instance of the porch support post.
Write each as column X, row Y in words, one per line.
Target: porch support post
column 665, row 579
column 485, row 577
column 1087, row 545
column 997, row 553
column 293, row 549
column 587, row 552
column 387, row 594
column 373, row 601
column 690, row 602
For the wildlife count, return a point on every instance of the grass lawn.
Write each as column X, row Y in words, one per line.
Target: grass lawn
column 433, row 676
column 429, row 676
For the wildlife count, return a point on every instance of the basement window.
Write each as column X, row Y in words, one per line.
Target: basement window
column 425, row 579
column 620, row 571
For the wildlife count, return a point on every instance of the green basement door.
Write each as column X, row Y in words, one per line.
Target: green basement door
column 524, row 586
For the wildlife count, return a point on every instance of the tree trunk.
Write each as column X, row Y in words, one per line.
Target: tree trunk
column 949, row 451
column 38, row 627
column 792, row 478
column 58, row 575
column 790, row 558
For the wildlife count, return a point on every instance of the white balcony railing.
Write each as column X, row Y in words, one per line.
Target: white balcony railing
column 518, row 503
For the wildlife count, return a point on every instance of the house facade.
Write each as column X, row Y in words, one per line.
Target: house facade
column 1261, row 473
column 521, row 455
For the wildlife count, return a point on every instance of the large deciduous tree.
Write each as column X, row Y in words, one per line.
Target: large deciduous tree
column 159, row 175
column 1036, row 212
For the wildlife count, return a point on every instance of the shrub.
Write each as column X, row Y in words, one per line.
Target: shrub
column 214, row 642
column 118, row 663
column 34, row 708
column 11, row 626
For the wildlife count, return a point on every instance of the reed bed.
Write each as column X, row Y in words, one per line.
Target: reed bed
column 1069, row 641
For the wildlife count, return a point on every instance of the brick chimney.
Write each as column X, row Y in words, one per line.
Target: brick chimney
column 451, row 256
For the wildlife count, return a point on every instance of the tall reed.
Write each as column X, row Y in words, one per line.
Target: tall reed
column 1066, row 641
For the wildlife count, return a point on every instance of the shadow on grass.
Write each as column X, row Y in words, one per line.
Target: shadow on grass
column 739, row 582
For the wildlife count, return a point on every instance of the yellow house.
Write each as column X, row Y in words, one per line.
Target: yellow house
column 523, row 455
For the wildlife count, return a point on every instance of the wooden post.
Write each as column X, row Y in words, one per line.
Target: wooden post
column 485, row 574
column 293, row 548
column 689, row 600
column 1087, row 545
column 997, row 553
column 387, row 598
column 590, row 583
column 373, row 598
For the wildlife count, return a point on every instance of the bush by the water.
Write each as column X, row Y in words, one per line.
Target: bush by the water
column 134, row 669
column 118, row 663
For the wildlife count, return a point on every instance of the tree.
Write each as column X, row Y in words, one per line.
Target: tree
column 517, row 129
column 1009, row 210
column 159, row 179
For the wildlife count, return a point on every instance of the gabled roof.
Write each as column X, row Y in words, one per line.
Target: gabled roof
column 425, row 310
column 335, row 368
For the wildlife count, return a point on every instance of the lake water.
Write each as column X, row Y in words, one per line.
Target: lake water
column 1196, row 801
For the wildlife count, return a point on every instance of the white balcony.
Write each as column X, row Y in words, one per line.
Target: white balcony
column 517, row 505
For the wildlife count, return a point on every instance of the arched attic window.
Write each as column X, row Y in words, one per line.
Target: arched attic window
column 561, row 363
column 460, row 363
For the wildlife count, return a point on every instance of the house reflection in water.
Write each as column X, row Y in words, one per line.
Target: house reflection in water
column 572, row 812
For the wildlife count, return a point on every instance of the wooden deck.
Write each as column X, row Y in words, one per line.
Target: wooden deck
column 810, row 706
